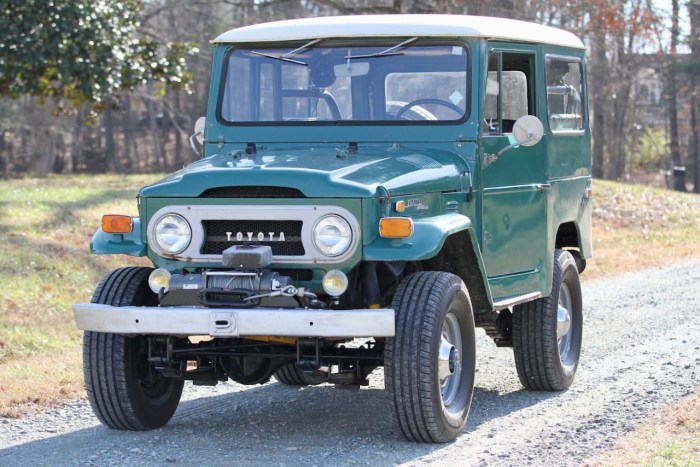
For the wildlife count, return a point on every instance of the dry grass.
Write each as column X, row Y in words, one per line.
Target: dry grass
column 35, row 382
column 46, row 225
column 672, row 437
column 637, row 227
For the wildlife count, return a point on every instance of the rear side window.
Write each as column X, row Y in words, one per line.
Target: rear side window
column 564, row 94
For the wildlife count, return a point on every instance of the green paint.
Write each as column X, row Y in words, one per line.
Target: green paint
column 443, row 173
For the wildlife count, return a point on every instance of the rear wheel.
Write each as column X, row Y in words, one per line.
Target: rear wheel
column 429, row 363
column 291, row 375
column 547, row 332
column 123, row 388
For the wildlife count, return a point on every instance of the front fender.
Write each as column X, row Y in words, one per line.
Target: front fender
column 429, row 235
column 104, row 243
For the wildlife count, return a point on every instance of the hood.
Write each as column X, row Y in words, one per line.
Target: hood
column 320, row 172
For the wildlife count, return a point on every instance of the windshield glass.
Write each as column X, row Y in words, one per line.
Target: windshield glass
column 397, row 82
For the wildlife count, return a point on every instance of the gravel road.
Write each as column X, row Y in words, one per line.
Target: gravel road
column 641, row 350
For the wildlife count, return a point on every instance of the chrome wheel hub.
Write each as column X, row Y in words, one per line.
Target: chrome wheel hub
column 563, row 322
column 564, row 325
column 450, row 360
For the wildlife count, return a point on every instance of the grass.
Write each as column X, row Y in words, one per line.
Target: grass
column 46, row 225
column 671, row 438
column 638, row 227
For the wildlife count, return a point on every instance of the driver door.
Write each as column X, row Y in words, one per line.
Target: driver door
column 515, row 189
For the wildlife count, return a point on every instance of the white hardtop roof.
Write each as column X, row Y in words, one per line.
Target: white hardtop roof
column 451, row 26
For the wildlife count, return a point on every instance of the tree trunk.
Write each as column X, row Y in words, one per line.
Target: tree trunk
column 4, row 161
column 76, row 142
column 110, row 158
column 695, row 149
column 45, row 151
column 156, row 140
column 598, row 80
column 618, row 133
column 179, row 155
column 694, row 10
column 677, row 168
column 128, row 137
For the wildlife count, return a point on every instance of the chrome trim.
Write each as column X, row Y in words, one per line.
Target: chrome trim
column 517, row 300
column 499, row 190
column 194, row 147
column 234, row 322
column 308, row 214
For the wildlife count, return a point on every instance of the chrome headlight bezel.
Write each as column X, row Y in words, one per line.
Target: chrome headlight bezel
column 332, row 235
column 174, row 240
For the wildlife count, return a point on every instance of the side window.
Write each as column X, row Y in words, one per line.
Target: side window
column 509, row 91
column 564, row 94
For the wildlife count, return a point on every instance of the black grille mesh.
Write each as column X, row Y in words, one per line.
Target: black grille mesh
column 216, row 238
column 252, row 192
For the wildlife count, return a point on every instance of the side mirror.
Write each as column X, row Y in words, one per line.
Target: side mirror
column 527, row 131
column 198, row 135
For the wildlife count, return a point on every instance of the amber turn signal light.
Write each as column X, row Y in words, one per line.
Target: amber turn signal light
column 117, row 224
column 396, row 227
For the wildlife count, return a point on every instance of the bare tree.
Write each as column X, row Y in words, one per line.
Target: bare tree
column 678, row 171
column 694, row 10
column 147, row 131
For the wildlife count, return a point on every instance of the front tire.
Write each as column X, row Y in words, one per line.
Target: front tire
column 547, row 332
column 429, row 363
column 124, row 390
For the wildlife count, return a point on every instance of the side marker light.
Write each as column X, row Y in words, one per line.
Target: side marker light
column 117, row 224
column 396, row 227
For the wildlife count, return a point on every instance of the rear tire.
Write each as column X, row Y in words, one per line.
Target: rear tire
column 547, row 332
column 291, row 375
column 429, row 363
column 124, row 390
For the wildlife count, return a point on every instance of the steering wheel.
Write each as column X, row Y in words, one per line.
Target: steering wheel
column 447, row 104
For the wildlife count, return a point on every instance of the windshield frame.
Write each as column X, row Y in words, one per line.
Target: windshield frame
column 387, row 43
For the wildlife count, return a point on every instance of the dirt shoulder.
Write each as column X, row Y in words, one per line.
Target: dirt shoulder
column 671, row 437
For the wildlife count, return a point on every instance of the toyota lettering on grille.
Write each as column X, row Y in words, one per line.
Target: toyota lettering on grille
column 260, row 236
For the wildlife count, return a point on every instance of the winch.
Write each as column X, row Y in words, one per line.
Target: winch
column 246, row 284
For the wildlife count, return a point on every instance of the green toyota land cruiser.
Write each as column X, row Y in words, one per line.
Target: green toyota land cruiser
column 370, row 189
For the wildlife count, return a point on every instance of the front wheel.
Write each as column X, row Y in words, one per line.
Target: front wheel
column 547, row 332
column 125, row 391
column 429, row 363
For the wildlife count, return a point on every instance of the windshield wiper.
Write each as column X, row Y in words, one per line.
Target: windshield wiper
column 291, row 53
column 384, row 53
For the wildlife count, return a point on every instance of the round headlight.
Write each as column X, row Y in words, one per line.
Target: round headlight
column 172, row 233
column 332, row 235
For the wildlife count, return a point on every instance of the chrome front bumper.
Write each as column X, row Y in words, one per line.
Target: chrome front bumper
column 234, row 322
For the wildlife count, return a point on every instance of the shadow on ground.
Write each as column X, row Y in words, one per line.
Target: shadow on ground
column 272, row 424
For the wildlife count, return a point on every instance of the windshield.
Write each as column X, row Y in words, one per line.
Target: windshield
column 397, row 82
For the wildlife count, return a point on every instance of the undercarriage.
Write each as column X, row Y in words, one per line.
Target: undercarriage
column 254, row 361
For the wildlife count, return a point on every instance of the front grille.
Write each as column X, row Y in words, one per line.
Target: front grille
column 216, row 236
column 252, row 192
